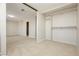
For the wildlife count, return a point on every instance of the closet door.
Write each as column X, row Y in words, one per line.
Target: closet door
column 64, row 27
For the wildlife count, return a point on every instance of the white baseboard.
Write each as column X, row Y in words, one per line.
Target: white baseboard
column 11, row 35
column 64, row 42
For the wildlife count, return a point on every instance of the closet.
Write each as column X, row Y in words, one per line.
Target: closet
column 61, row 25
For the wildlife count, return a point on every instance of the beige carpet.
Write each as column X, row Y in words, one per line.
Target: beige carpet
column 23, row 46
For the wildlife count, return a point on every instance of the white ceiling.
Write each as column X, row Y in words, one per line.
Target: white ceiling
column 44, row 7
column 15, row 10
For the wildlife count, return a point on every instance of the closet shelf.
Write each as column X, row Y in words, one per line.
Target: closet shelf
column 68, row 27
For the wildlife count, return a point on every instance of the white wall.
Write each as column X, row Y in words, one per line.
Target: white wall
column 3, row 29
column 32, row 28
column 65, row 27
column 40, row 27
column 65, row 35
column 19, row 27
column 78, row 29
column 64, row 19
column 48, row 24
column 22, row 27
column 11, row 28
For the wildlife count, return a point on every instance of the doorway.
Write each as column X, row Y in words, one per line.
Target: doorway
column 27, row 28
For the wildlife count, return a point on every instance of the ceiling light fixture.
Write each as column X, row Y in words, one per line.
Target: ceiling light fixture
column 22, row 10
column 11, row 16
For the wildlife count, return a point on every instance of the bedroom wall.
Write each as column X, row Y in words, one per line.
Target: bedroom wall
column 78, row 29
column 32, row 27
column 48, row 24
column 11, row 28
column 40, row 27
column 22, row 27
column 64, row 26
column 2, row 29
